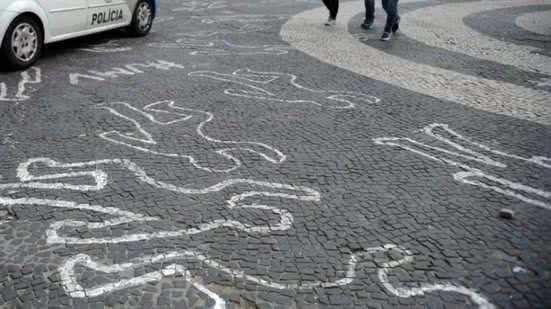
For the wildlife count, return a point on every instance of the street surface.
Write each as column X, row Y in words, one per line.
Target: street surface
column 243, row 155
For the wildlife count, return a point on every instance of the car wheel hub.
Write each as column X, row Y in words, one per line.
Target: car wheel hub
column 24, row 42
column 144, row 16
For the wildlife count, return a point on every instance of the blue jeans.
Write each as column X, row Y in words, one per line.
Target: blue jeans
column 390, row 7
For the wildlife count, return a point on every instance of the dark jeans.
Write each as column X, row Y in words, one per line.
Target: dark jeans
column 390, row 7
column 333, row 7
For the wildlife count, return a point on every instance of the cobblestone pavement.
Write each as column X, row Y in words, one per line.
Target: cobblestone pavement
column 245, row 156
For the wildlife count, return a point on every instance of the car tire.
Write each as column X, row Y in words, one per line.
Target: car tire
column 23, row 43
column 142, row 20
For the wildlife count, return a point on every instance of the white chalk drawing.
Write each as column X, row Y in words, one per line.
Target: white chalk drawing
column 70, row 279
column 126, row 70
column 74, row 289
column 221, row 47
column 471, row 175
column 68, row 271
column 243, row 18
column 111, row 46
column 254, row 85
column 163, row 19
column 241, row 29
column 99, row 179
column 191, row 124
column 198, row 6
column 28, row 77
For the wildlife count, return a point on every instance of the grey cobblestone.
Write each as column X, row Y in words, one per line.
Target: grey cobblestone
column 370, row 195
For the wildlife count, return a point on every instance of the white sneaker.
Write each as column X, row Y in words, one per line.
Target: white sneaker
column 331, row 22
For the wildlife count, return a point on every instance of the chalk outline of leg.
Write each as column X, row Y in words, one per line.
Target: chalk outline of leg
column 21, row 86
column 110, row 46
column 196, row 6
column 240, row 18
column 470, row 175
column 73, row 288
column 70, row 283
column 100, row 177
column 255, row 79
column 211, row 49
column 186, row 114
column 246, row 28
column 28, row 180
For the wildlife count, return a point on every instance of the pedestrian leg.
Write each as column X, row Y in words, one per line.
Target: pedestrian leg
column 392, row 19
column 333, row 7
column 369, row 14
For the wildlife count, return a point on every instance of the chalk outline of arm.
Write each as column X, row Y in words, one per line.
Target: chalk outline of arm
column 21, row 86
column 246, row 28
column 110, row 46
column 470, row 175
column 236, row 201
column 67, row 270
column 211, row 49
column 278, row 157
column 254, row 79
column 71, row 285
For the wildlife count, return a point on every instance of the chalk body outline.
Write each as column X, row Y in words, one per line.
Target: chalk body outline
column 198, row 6
column 253, row 85
column 67, row 270
column 31, row 76
column 147, row 142
column 124, row 70
column 243, row 29
column 471, row 175
column 110, row 46
column 222, row 47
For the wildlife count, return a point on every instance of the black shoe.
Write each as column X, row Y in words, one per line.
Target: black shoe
column 386, row 36
column 396, row 25
column 367, row 24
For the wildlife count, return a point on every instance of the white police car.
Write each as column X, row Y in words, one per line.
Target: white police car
column 26, row 25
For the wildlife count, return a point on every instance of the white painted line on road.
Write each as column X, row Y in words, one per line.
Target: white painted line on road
column 336, row 46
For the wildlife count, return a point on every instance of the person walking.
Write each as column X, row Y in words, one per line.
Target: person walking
column 392, row 18
column 369, row 14
column 333, row 7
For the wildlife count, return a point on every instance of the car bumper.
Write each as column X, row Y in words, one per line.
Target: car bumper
column 6, row 17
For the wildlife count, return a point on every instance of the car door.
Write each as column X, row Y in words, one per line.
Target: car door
column 103, row 14
column 65, row 16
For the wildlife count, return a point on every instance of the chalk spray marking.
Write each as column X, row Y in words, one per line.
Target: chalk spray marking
column 73, row 288
column 70, row 281
column 197, row 6
column 253, row 83
column 185, row 116
column 243, row 18
column 246, row 28
column 30, row 76
column 110, row 46
column 222, row 48
column 266, row 189
column 471, row 175
column 126, row 70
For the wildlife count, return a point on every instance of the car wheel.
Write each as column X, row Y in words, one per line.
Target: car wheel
column 23, row 43
column 142, row 20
